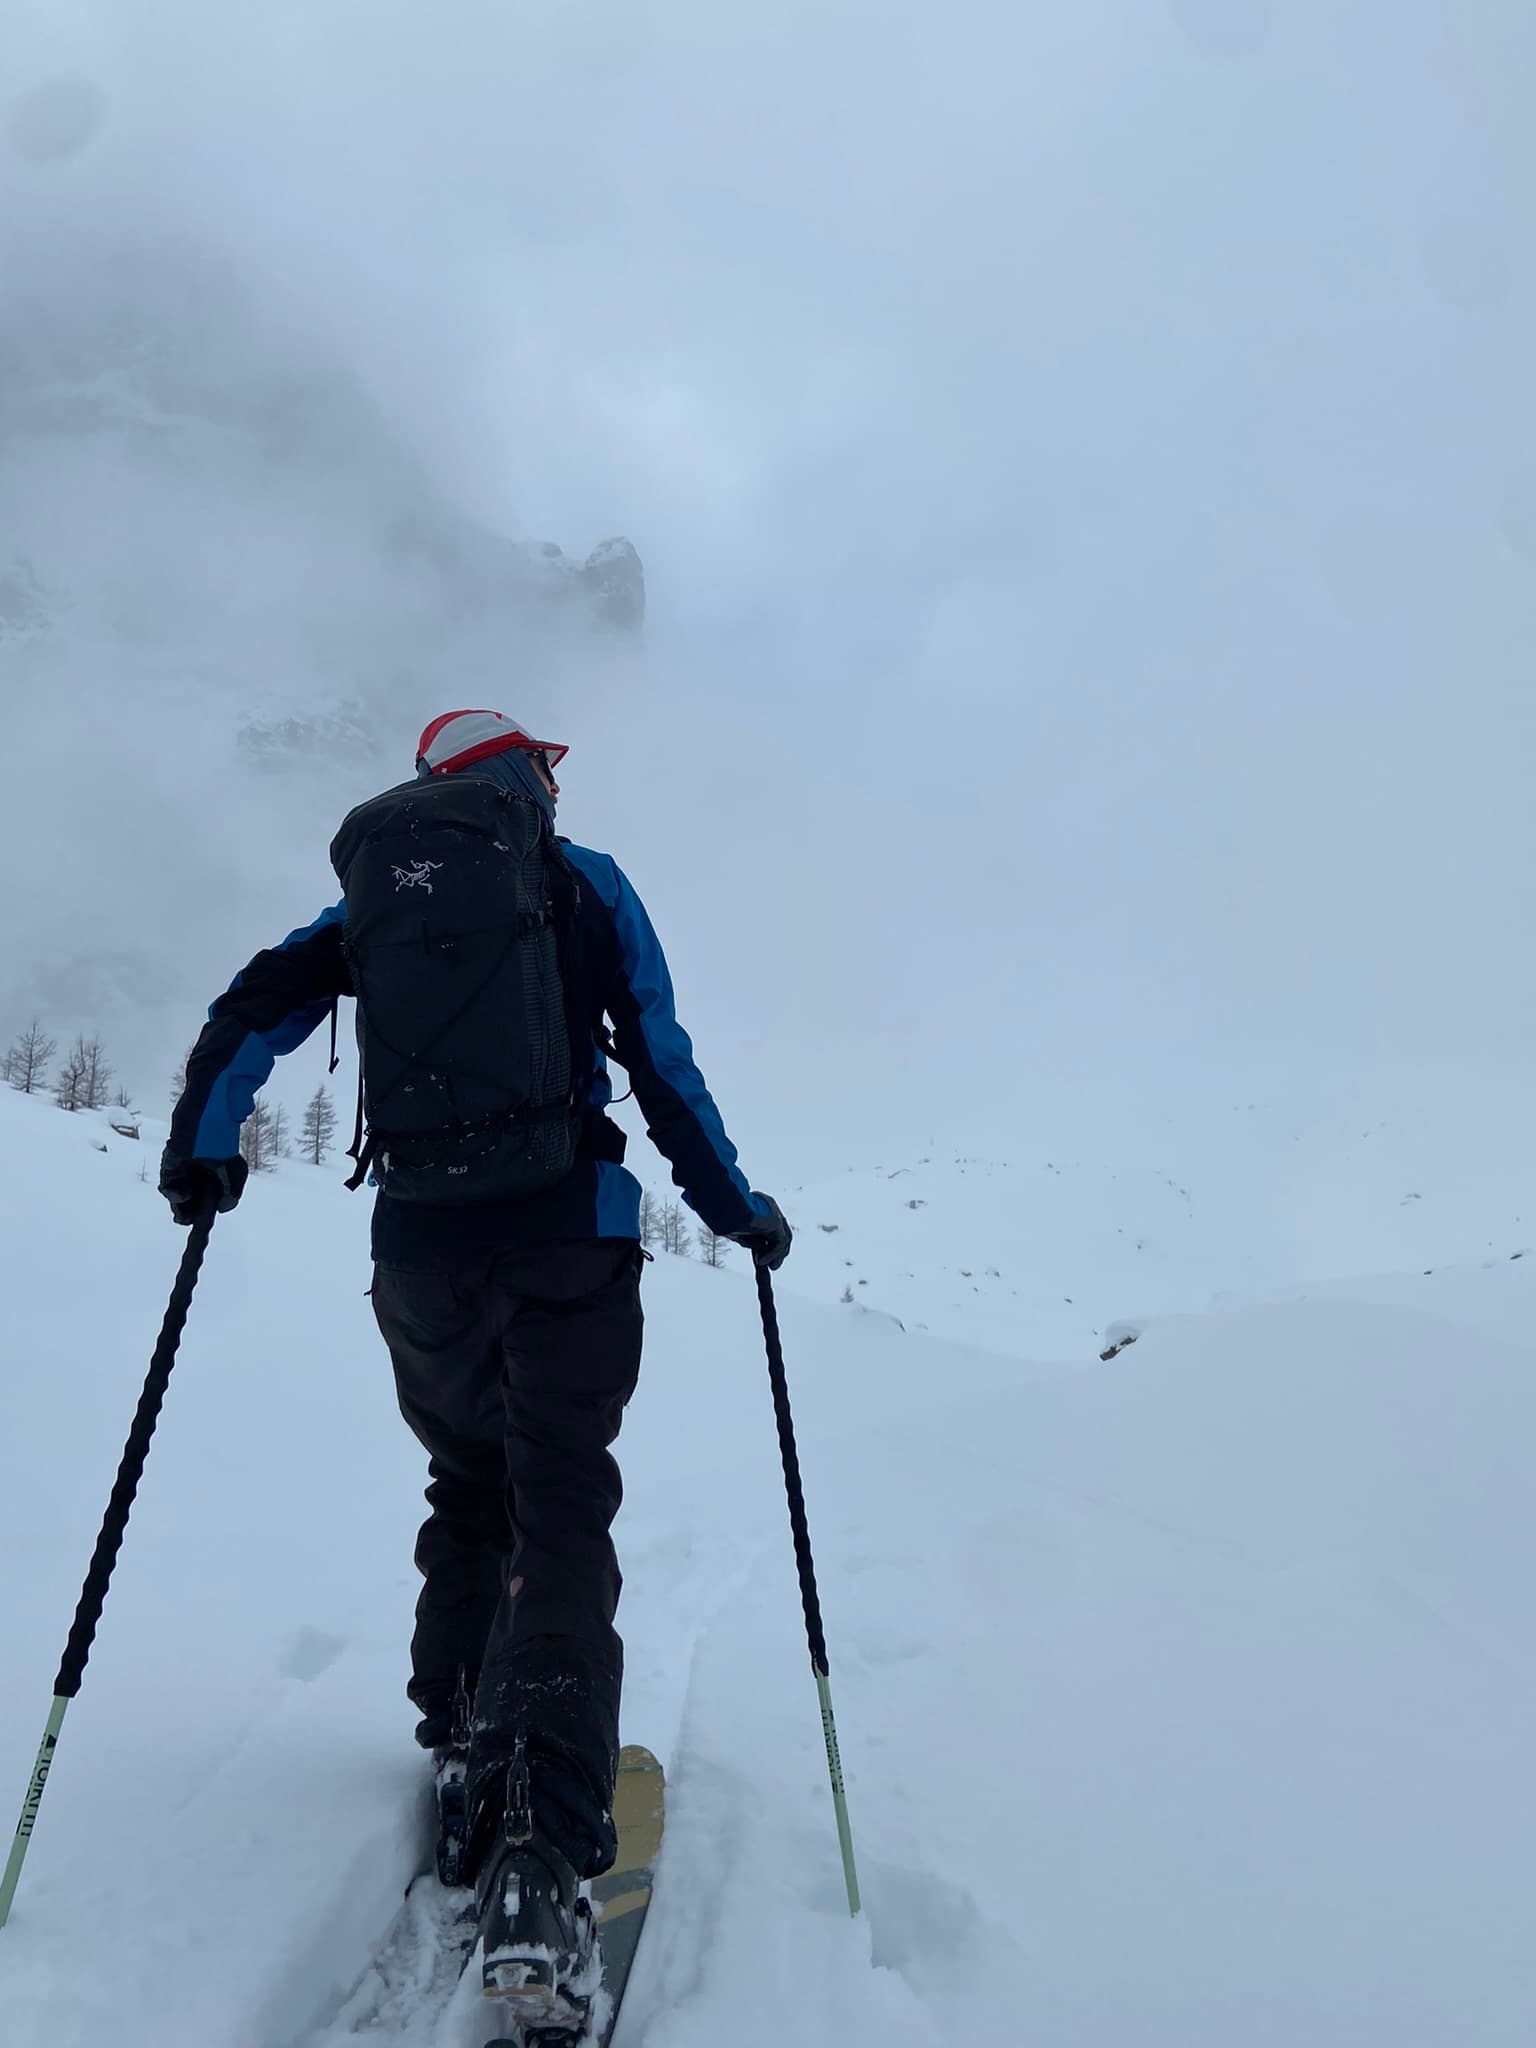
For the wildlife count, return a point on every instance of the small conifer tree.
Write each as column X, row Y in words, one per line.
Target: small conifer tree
column 27, row 1058
column 319, row 1126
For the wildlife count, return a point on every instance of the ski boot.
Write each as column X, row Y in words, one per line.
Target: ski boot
column 540, row 1957
column 451, row 1762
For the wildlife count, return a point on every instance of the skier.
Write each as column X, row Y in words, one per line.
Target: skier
column 506, row 1266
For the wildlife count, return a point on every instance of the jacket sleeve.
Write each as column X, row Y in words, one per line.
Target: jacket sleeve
column 679, row 1111
column 271, row 1006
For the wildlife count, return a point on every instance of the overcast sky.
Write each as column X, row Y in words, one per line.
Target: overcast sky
column 1084, row 457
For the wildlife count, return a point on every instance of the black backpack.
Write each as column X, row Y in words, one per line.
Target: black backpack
column 460, row 917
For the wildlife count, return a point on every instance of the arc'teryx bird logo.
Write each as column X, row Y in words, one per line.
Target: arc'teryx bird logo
column 416, row 877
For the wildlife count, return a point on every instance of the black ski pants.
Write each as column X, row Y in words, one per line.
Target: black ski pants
column 513, row 1368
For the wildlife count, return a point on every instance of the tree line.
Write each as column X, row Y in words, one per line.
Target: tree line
column 265, row 1136
column 664, row 1222
column 84, row 1081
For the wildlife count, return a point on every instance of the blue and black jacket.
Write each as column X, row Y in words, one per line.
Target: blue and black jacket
column 285, row 993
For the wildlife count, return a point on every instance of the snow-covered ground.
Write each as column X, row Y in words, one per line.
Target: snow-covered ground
column 1038, row 1254
column 1185, row 1700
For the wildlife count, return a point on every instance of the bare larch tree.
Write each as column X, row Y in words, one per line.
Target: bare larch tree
column 256, row 1147
column 676, row 1237
column 27, row 1058
column 319, row 1126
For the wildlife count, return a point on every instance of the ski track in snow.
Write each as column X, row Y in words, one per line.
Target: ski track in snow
column 413, row 1990
column 1214, row 1661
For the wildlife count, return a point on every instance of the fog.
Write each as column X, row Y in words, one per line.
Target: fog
column 1084, row 460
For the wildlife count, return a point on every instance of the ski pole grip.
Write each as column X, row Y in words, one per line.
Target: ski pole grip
column 129, row 1472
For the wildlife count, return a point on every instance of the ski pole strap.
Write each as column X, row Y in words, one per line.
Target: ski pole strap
column 94, row 1592
column 804, row 1562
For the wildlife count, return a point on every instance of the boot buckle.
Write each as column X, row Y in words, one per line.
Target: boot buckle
column 519, row 1808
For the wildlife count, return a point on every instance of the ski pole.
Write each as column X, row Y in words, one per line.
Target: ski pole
column 93, row 1594
column 807, row 1570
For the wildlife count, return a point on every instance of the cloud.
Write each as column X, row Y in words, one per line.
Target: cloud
column 1075, row 477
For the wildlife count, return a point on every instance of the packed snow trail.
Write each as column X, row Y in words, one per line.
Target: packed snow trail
column 1183, row 1701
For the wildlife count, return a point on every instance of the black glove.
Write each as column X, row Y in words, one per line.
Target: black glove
column 769, row 1238
column 192, row 1186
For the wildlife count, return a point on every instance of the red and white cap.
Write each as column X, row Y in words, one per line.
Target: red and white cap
column 460, row 738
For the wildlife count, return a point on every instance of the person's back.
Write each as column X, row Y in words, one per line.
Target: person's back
column 507, row 1257
column 459, row 956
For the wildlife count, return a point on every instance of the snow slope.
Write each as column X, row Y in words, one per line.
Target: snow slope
column 1028, row 1255
column 1041, row 1252
column 1184, row 1700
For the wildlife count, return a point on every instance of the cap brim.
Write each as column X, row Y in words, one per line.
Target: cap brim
column 552, row 750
